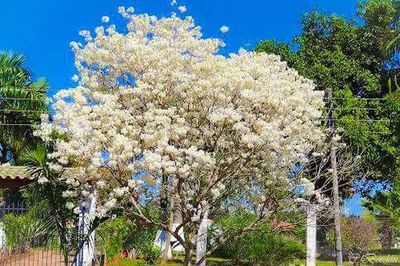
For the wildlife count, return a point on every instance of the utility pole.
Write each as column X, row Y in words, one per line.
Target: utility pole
column 335, row 184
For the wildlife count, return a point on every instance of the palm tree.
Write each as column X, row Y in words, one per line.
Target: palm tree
column 22, row 101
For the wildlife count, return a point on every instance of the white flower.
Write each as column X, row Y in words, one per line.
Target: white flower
column 121, row 10
column 119, row 192
column 77, row 210
column 173, row 2
column 154, row 102
column 110, row 204
column 182, row 9
column 42, row 180
column 70, row 205
column 101, row 184
column 105, row 19
column 132, row 183
column 69, row 193
column 75, row 78
column 224, row 29
column 308, row 186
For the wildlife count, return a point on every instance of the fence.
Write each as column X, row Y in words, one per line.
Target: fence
column 22, row 247
column 42, row 251
column 23, row 243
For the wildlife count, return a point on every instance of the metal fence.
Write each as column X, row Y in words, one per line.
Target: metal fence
column 13, row 207
column 22, row 250
column 23, row 247
column 35, row 252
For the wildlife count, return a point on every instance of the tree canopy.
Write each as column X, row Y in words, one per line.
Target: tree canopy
column 359, row 61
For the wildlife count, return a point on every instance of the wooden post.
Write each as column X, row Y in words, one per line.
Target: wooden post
column 335, row 185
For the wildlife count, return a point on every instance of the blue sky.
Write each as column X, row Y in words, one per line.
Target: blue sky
column 43, row 29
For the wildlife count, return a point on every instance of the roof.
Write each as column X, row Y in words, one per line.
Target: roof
column 14, row 172
column 19, row 176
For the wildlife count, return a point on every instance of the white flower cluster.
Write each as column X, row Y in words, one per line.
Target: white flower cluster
column 224, row 29
column 159, row 100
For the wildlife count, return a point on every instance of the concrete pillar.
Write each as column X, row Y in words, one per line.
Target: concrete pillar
column 311, row 235
column 86, row 217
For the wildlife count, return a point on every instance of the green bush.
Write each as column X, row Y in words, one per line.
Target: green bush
column 262, row 247
column 32, row 227
column 142, row 241
column 116, row 235
column 150, row 253
column 112, row 236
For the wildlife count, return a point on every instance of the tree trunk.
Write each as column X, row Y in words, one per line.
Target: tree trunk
column 311, row 235
column 188, row 255
column 201, row 242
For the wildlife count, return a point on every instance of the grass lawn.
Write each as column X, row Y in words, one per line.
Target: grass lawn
column 388, row 260
column 132, row 262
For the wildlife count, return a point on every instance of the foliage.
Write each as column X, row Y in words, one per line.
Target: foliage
column 263, row 247
column 355, row 61
column 19, row 230
column 384, row 204
column 33, row 226
column 359, row 237
column 142, row 241
column 150, row 253
column 22, row 101
column 58, row 218
column 112, row 236
column 120, row 234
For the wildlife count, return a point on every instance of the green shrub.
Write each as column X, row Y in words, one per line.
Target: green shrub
column 150, row 253
column 32, row 227
column 142, row 241
column 112, row 236
column 116, row 235
column 262, row 247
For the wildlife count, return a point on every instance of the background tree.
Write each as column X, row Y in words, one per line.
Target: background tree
column 359, row 62
column 385, row 205
column 22, row 101
column 353, row 59
column 359, row 237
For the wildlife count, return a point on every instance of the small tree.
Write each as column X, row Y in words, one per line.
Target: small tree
column 359, row 236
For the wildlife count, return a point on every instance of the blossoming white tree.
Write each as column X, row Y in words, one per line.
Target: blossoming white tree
column 157, row 102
